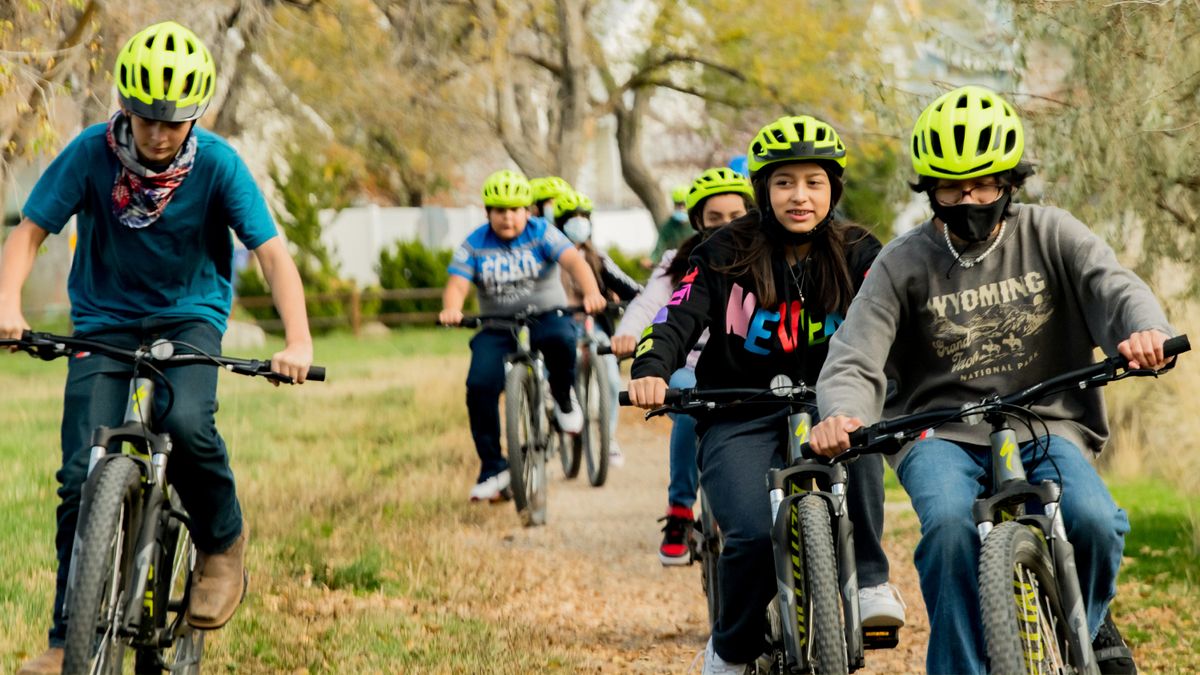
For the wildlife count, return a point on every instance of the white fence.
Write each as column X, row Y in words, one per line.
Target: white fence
column 355, row 236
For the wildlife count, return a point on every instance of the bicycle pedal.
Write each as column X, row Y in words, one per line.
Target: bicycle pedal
column 881, row 637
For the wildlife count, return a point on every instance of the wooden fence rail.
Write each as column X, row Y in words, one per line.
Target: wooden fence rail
column 352, row 303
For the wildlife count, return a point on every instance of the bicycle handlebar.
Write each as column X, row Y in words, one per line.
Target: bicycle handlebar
column 688, row 401
column 48, row 347
column 889, row 436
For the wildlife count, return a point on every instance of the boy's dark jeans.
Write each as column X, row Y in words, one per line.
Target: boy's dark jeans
column 554, row 337
column 97, row 391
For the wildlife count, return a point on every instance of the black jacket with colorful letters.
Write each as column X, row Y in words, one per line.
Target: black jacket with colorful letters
column 748, row 344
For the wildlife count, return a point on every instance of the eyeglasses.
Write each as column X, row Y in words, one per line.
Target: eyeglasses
column 984, row 193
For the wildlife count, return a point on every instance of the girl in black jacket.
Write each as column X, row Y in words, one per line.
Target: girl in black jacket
column 772, row 287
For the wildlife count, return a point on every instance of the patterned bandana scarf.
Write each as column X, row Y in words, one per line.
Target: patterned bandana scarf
column 140, row 194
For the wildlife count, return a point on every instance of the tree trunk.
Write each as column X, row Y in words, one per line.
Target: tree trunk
column 633, row 166
column 572, row 93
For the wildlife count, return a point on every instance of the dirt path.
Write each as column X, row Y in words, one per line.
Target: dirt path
column 592, row 578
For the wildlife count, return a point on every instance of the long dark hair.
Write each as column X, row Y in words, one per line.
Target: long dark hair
column 679, row 264
column 754, row 251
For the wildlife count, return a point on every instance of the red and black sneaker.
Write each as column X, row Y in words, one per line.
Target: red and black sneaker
column 674, row 548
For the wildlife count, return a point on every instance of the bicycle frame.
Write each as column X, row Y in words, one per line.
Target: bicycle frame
column 1011, row 490
column 150, row 451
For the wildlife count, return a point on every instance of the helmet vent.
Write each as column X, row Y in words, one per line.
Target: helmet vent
column 984, row 103
column 778, row 134
column 168, row 74
column 191, row 48
column 170, row 42
column 189, row 83
column 758, row 149
column 149, row 41
column 916, row 149
column 960, row 138
column 962, row 102
column 935, row 141
column 985, row 141
column 145, row 75
column 820, row 133
column 123, row 75
column 1010, row 141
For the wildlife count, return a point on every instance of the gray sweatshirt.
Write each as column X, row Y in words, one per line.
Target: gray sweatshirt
column 1035, row 307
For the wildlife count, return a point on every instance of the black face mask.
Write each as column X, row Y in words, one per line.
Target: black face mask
column 971, row 222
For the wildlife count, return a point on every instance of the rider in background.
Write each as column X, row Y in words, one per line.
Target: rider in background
column 989, row 297
column 613, row 282
column 715, row 198
column 773, row 285
column 155, row 197
column 673, row 230
column 513, row 260
column 545, row 190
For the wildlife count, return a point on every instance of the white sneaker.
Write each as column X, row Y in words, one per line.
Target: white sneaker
column 615, row 458
column 489, row 489
column 881, row 606
column 571, row 422
column 715, row 665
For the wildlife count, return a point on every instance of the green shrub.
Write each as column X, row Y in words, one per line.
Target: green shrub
column 630, row 265
column 409, row 264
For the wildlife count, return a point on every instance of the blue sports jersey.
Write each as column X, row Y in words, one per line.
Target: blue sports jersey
column 516, row 274
column 179, row 266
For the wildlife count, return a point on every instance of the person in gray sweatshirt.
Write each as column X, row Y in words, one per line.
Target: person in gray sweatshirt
column 989, row 297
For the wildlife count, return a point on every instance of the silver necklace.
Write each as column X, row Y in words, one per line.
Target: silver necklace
column 799, row 280
column 967, row 264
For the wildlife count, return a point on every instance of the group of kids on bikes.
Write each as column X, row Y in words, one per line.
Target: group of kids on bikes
column 988, row 295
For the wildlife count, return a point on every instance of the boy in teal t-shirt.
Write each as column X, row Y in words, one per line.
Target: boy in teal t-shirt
column 154, row 199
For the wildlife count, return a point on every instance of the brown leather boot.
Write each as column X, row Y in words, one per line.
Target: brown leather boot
column 218, row 586
column 49, row 663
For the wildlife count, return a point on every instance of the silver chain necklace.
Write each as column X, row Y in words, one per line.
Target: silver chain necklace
column 799, row 280
column 967, row 264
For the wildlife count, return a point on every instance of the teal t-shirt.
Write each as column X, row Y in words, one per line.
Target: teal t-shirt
column 179, row 266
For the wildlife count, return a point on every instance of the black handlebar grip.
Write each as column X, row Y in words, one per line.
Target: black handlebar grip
column 604, row 350
column 672, row 397
column 860, row 437
column 623, row 398
column 316, row 373
column 1176, row 346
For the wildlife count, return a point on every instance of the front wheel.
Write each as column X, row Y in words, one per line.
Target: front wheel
column 826, row 636
column 594, row 397
column 102, row 566
column 526, row 460
column 1024, row 626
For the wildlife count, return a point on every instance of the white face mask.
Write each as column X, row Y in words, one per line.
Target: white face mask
column 578, row 229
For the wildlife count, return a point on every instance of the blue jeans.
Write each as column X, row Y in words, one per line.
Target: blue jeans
column 942, row 480
column 684, row 476
column 97, row 391
column 554, row 337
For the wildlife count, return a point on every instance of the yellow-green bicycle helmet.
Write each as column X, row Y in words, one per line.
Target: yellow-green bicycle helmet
column 165, row 73
column 795, row 139
column 717, row 181
column 585, row 204
column 679, row 193
column 548, row 187
column 506, row 189
column 967, row 133
column 567, row 202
